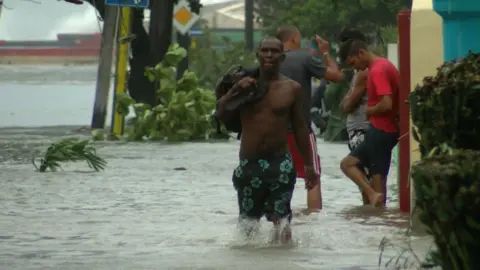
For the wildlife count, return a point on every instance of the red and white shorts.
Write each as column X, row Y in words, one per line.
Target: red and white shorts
column 297, row 157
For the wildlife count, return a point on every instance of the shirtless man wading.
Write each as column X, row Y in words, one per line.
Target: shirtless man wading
column 265, row 177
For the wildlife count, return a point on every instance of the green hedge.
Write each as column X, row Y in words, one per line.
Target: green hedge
column 446, row 114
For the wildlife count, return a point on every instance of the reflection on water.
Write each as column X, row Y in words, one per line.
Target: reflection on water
column 141, row 213
column 376, row 216
column 47, row 96
column 47, row 75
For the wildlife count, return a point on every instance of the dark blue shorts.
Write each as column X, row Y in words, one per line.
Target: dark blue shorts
column 375, row 151
column 265, row 186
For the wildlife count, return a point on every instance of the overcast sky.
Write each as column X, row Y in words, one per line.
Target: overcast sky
column 25, row 20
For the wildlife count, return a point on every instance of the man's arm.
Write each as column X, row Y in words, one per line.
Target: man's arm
column 301, row 131
column 351, row 100
column 384, row 90
column 221, row 111
column 329, row 70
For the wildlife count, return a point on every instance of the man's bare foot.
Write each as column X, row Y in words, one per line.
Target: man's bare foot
column 282, row 236
column 286, row 236
column 282, row 232
column 376, row 199
column 308, row 211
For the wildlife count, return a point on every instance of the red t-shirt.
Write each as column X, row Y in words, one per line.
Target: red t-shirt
column 383, row 79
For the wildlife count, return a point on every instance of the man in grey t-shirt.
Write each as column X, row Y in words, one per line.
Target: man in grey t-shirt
column 301, row 66
column 355, row 103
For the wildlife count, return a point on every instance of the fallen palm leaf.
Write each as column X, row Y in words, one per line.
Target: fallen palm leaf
column 69, row 150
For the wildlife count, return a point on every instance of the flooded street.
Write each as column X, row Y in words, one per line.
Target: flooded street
column 141, row 213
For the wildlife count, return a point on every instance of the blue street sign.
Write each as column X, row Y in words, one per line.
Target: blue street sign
column 195, row 32
column 129, row 3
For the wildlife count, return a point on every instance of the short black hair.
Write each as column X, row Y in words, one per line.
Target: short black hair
column 285, row 32
column 351, row 48
column 350, row 33
column 270, row 38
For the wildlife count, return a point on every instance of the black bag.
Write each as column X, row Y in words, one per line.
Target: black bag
column 226, row 83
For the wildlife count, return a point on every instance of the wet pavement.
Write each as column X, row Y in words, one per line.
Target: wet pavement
column 141, row 213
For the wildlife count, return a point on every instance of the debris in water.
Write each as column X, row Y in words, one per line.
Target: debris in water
column 68, row 150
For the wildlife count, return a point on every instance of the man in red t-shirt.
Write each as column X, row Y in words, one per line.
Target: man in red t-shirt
column 375, row 151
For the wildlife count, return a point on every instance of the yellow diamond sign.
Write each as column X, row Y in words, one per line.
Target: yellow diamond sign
column 183, row 17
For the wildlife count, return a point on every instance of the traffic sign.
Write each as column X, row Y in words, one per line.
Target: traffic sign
column 183, row 17
column 129, row 3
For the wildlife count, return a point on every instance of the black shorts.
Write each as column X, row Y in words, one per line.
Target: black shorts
column 355, row 138
column 375, row 152
column 265, row 187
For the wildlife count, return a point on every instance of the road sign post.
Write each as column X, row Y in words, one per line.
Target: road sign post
column 183, row 20
column 129, row 3
column 183, row 17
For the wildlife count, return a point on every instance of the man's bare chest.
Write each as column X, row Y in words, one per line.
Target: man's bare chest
column 278, row 102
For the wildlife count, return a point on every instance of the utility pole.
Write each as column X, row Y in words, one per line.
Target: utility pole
column 123, row 46
column 1, row 6
column 183, row 41
column 249, row 25
column 104, row 73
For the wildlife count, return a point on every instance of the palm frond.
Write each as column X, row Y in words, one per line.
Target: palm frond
column 70, row 150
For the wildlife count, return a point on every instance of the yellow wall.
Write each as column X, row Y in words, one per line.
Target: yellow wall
column 426, row 54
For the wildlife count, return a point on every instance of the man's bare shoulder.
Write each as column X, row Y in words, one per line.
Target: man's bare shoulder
column 291, row 83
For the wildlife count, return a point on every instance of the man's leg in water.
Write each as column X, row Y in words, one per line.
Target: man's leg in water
column 368, row 180
column 277, row 208
column 380, row 159
column 355, row 137
column 251, row 194
column 350, row 167
column 314, row 195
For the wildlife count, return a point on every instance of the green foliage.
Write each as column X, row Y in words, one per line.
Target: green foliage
column 69, row 150
column 387, row 34
column 212, row 56
column 448, row 197
column 334, row 94
column 328, row 17
column 184, row 110
column 211, row 63
column 445, row 113
column 445, row 107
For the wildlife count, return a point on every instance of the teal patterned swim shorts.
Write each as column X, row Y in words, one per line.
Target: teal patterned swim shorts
column 265, row 187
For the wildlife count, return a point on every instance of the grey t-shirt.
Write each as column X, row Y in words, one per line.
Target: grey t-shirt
column 357, row 120
column 301, row 66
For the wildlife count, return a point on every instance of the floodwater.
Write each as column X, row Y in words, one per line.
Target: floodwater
column 141, row 213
